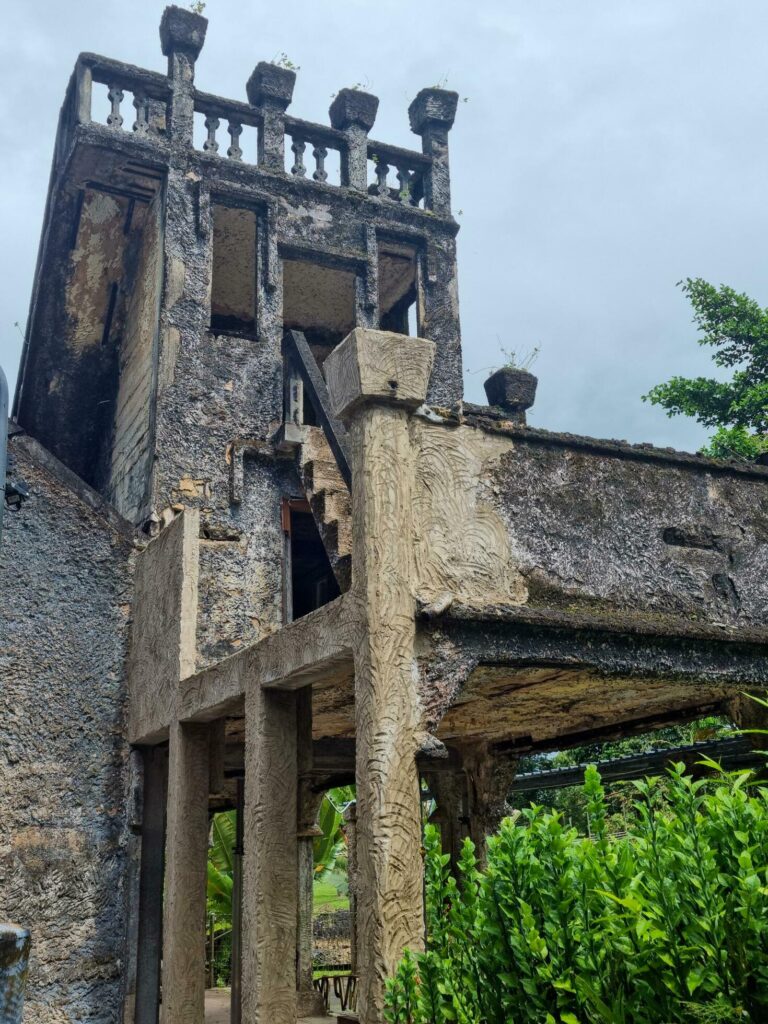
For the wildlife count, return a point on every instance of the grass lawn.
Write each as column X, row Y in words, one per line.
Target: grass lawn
column 325, row 898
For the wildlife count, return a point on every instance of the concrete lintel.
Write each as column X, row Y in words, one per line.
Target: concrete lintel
column 310, row 650
column 378, row 366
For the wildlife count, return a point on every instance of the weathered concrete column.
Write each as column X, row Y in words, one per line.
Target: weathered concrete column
column 186, row 856
column 431, row 115
column 182, row 34
column 270, row 87
column 310, row 1002
column 14, row 963
column 270, row 861
column 350, row 831
column 354, row 112
column 374, row 378
column 150, row 929
column 451, row 813
column 489, row 777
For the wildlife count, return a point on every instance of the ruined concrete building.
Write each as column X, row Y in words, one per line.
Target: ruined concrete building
column 268, row 549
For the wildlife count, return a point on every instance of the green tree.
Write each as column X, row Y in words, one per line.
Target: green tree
column 327, row 850
column 736, row 328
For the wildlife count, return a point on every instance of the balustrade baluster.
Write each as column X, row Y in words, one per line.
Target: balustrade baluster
column 382, row 170
column 298, row 146
column 405, row 180
column 211, row 125
column 320, row 153
column 115, row 97
column 141, row 103
column 235, row 131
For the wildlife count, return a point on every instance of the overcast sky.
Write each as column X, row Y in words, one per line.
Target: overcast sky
column 606, row 149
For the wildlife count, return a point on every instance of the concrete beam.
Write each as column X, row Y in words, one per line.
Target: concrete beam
column 313, row 649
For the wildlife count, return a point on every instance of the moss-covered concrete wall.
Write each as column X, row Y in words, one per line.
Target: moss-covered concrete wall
column 529, row 518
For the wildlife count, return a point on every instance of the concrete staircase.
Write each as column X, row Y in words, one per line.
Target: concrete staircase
column 329, row 501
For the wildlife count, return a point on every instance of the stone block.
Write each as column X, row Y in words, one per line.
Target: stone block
column 271, row 85
column 353, row 107
column 183, row 30
column 381, row 366
column 433, row 107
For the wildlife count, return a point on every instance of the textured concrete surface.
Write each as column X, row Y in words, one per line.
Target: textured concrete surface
column 65, row 590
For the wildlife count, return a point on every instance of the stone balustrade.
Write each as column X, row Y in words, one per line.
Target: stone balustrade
column 132, row 101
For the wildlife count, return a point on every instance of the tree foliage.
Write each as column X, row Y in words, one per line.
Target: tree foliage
column 666, row 925
column 327, row 850
column 572, row 801
column 736, row 328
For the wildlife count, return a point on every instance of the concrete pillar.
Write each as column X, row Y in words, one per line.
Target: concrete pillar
column 431, row 115
column 150, row 930
column 489, row 777
column 451, row 814
column 353, row 112
column 270, row 87
column 350, row 831
column 236, row 999
column 182, row 34
column 310, row 1002
column 270, row 861
column 14, row 964
column 186, row 856
column 374, row 378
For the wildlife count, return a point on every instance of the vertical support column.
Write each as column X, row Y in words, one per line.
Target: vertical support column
column 186, row 857
column 310, row 1002
column 236, row 998
column 350, row 830
column 374, row 378
column 150, row 931
column 489, row 777
column 270, row 861
column 271, row 88
column 182, row 34
column 431, row 115
column 354, row 112
column 450, row 792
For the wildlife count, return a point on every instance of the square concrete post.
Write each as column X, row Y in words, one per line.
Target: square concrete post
column 150, row 928
column 270, row 88
column 353, row 112
column 270, row 857
column 182, row 34
column 374, row 378
column 186, row 856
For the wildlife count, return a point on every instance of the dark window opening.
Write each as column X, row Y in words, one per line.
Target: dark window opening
column 308, row 570
column 398, row 288
column 233, row 276
column 319, row 301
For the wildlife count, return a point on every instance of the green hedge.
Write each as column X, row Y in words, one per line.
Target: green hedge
column 667, row 924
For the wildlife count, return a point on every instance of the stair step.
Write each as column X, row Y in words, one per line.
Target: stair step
column 329, row 505
column 315, row 445
column 337, row 536
column 323, row 474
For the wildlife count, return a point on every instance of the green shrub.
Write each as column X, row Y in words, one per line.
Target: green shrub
column 668, row 924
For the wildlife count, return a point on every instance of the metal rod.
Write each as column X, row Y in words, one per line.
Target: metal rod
column 295, row 347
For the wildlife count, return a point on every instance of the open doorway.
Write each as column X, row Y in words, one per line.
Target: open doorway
column 309, row 579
